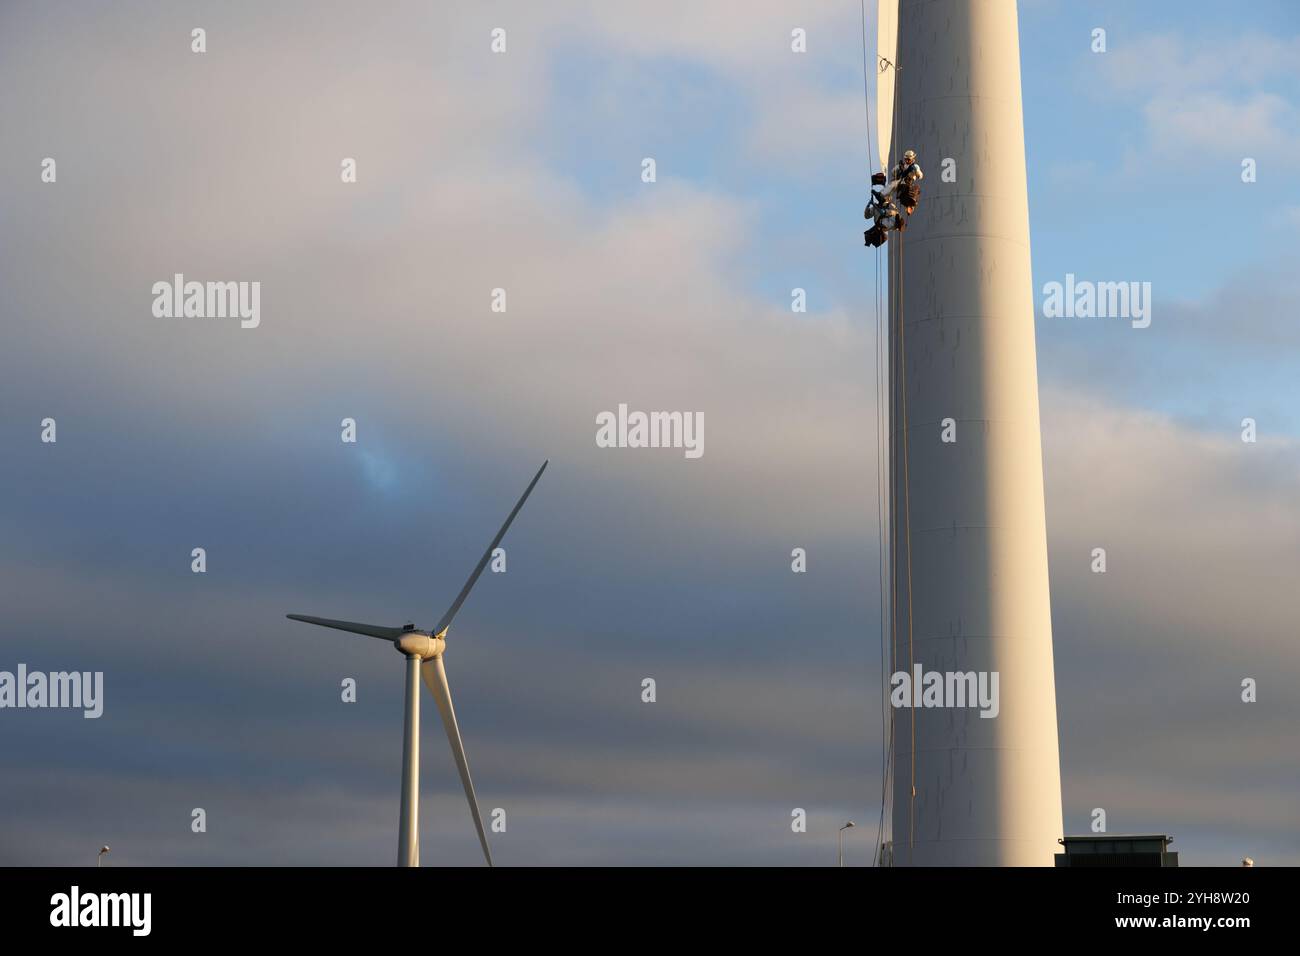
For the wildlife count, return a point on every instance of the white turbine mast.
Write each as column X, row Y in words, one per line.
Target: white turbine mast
column 423, row 651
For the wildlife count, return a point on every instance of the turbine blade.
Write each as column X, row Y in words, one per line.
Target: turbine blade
column 370, row 630
column 487, row 556
column 435, row 677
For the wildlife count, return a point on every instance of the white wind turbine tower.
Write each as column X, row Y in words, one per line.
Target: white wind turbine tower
column 423, row 651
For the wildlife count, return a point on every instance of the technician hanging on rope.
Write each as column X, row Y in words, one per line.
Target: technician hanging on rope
column 882, row 211
column 907, row 186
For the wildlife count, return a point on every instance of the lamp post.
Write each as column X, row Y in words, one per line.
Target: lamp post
column 841, row 839
column 100, row 858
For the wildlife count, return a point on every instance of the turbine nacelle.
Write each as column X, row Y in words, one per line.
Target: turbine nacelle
column 420, row 644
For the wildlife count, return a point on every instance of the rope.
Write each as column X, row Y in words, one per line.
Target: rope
column 866, row 95
column 880, row 563
column 886, row 718
column 896, row 286
column 881, row 336
column 907, row 483
column 907, row 532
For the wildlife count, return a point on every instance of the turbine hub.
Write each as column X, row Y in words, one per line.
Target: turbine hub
column 420, row 643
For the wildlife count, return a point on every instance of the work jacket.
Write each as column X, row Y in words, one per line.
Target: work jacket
column 908, row 173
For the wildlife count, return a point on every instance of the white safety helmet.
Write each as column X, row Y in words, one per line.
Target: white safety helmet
column 909, row 156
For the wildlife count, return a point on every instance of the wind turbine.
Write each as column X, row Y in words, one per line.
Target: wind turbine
column 423, row 652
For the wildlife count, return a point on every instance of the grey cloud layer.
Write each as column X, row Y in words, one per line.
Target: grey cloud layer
column 175, row 434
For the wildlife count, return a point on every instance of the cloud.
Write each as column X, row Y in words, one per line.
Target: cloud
column 1257, row 123
column 1200, row 537
column 1221, row 95
column 376, row 305
column 1176, row 63
column 1218, row 359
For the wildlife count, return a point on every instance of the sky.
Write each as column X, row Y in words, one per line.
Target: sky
column 522, row 171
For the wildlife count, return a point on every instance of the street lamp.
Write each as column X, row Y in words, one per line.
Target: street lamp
column 841, row 839
column 100, row 858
